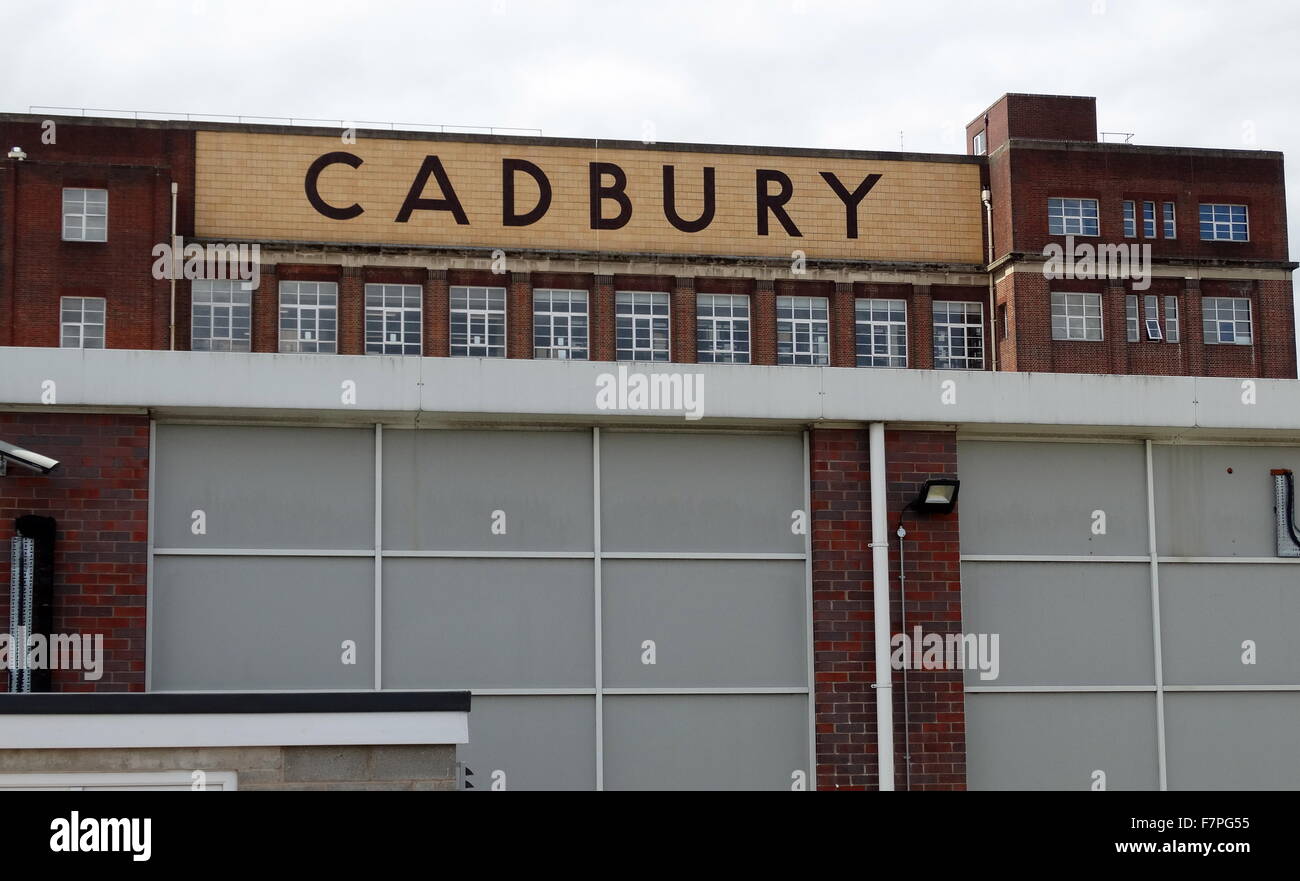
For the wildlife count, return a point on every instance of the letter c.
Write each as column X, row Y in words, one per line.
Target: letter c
column 313, row 195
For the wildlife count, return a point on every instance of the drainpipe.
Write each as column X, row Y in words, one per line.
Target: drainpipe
column 175, row 262
column 880, row 595
column 987, row 197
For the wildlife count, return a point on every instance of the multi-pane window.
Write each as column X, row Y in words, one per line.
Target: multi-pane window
column 803, row 330
column 220, row 316
column 1151, row 317
column 1072, row 217
column 1171, row 319
column 393, row 319
column 1149, row 220
column 958, row 335
column 560, row 328
column 722, row 328
column 1149, row 320
column 1224, row 223
column 81, row 323
column 309, row 316
column 1171, row 227
column 1076, row 316
column 881, row 333
column 478, row 322
column 1227, row 320
column 641, row 325
column 978, row 144
column 1130, row 219
column 85, row 215
column 1131, row 318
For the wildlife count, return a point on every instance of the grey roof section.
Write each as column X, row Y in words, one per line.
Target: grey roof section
column 430, row 391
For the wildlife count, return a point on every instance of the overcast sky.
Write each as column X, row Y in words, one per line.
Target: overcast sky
column 808, row 73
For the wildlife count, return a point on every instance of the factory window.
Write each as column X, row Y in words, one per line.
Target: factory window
column 1224, row 223
column 393, row 325
column 560, row 326
column 1150, row 320
column 881, row 333
column 1004, row 321
column 641, row 325
column 1076, row 316
column 82, row 322
column 1152, row 317
column 978, row 144
column 1171, row 228
column 1171, row 320
column 722, row 328
column 478, row 322
column 1131, row 318
column 958, row 335
column 1148, row 220
column 1227, row 320
column 220, row 316
column 309, row 316
column 1072, row 217
column 803, row 331
column 85, row 215
column 1130, row 219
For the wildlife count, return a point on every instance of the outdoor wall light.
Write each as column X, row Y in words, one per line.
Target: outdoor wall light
column 938, row 496
column 17, row 153
column 26, row 458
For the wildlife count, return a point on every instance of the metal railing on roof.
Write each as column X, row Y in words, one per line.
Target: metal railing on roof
column 1117, row 137
column 282, row 120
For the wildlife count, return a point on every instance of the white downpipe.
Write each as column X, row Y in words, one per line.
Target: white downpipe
column 880, row 595
column 176, row 258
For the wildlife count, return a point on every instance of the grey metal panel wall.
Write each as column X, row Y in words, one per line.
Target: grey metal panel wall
column 264, row 487
column 713, row 623
column 261, row 623
column 1058, row 741
column 526, row 742
column 488, row 624
column 684, row 742
column 1234, row 741
column 1062, row 623
column 1039, row 498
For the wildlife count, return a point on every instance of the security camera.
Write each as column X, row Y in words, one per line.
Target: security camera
column 17, row 153
column 26, row 458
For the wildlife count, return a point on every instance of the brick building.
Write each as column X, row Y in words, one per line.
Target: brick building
column 670, row 603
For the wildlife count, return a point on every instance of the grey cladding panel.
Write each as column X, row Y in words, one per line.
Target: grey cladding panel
column 719, row 623
column 1057, row 741
column 700, row 492
column 1039, row 498
column 684, row 742
column 231, row 623
column 263, row 487
column 1208, row 610
column 442, row 487
column 527, row 742
column 1062, row 623
column 1203, row 511
column 1220, row 741
column 488, row 623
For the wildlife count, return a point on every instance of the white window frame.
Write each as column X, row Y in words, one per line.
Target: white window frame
column 807, row 336
column 1216, row 225
column 573, row 341
column 723, row 336
column 1173, row 325
column 973, row 359
column 631, row 324
column 82, row 322
column 1149, row 224
column 1213, row 324
column 1070, row 216
column 1130, row 219
column 1169, row 220
column 1151, row 317
column 1075, row 309
column 483, row 322
column 387, row 314
column 204, row 294
column 879, row 339
column 979, row 143
column 1132, row 321
column 80, row 213
column 312, row 326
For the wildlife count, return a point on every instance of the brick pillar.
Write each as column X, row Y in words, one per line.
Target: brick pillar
column 352, row 312
column 682, row 315
column 266, row 311
column 8, row 249
column 437, row 315
column 1115, row 321
column 931, row 713
column 1004, row 295
column 1193, row 331
column 601, row 327
column 843, row 342
column 762, row 322
column 920, row 329
column 519, row 316
column 1277, row 335
column 1031, row 304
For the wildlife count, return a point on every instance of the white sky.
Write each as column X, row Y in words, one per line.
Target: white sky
column 807, row 73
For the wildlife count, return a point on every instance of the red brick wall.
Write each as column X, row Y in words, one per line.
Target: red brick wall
column 843, row 619
column 99, row 499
